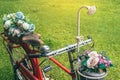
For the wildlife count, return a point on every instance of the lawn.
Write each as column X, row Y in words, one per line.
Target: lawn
column 56, row 21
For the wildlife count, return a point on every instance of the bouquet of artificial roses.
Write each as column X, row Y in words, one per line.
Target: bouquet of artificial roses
column 16, row 25
column 91, row 61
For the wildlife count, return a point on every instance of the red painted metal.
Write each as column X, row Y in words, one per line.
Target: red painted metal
column 60, row 65
column 26, row 72
column 63, row 67
column 23, row 73
column 37, row 72
column 34, row 61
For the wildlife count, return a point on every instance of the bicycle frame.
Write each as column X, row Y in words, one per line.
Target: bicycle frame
column 37, row 75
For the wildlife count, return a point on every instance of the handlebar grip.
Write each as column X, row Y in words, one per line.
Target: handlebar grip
column 36, row 55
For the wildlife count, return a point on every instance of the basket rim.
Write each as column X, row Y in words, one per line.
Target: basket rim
column 91, row 75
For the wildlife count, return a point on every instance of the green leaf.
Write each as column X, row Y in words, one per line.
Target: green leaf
column 101, row 66
column 84, row 63
column 111, row 65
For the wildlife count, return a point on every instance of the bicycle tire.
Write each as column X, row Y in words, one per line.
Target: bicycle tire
column 17, row 54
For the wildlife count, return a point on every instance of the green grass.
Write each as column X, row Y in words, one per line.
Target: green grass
column 56, row 21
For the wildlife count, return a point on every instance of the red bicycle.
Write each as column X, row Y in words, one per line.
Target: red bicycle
column 25, row 62
column 25, row 53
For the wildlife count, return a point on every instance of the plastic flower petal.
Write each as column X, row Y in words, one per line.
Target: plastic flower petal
column 93, row 54
column 11, row 30
column 7, row 24
column 25, row 26
column 91, row 62
column 91, row 10
column 17, row 32
column 16, row 25
column 32, row 27
column 8, row 16
column 20, row 15
column 20, row 22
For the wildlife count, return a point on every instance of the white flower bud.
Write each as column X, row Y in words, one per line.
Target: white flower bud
column 20, row 22
column 91, row 10
column 7, row 24
column 8, row 16
column 25, row 26
column 17, row 31
column 11, row 30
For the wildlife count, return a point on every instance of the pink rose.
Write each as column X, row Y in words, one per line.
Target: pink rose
column 93, row 54
column 92, row 61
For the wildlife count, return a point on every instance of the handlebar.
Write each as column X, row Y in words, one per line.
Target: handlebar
column 69, row 48
column 36, row 55
column 62, row 50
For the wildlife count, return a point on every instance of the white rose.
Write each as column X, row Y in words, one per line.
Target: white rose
column 7, row 24
column 93, row 54
column 8, row 16
column 20, row 22
column 13, row 15
column 25, row 26
column 91, row 62
column 11, row 31
column 16, row 32
column 91, row 10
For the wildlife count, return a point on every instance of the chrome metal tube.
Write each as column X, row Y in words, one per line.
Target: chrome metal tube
column 69, row 48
